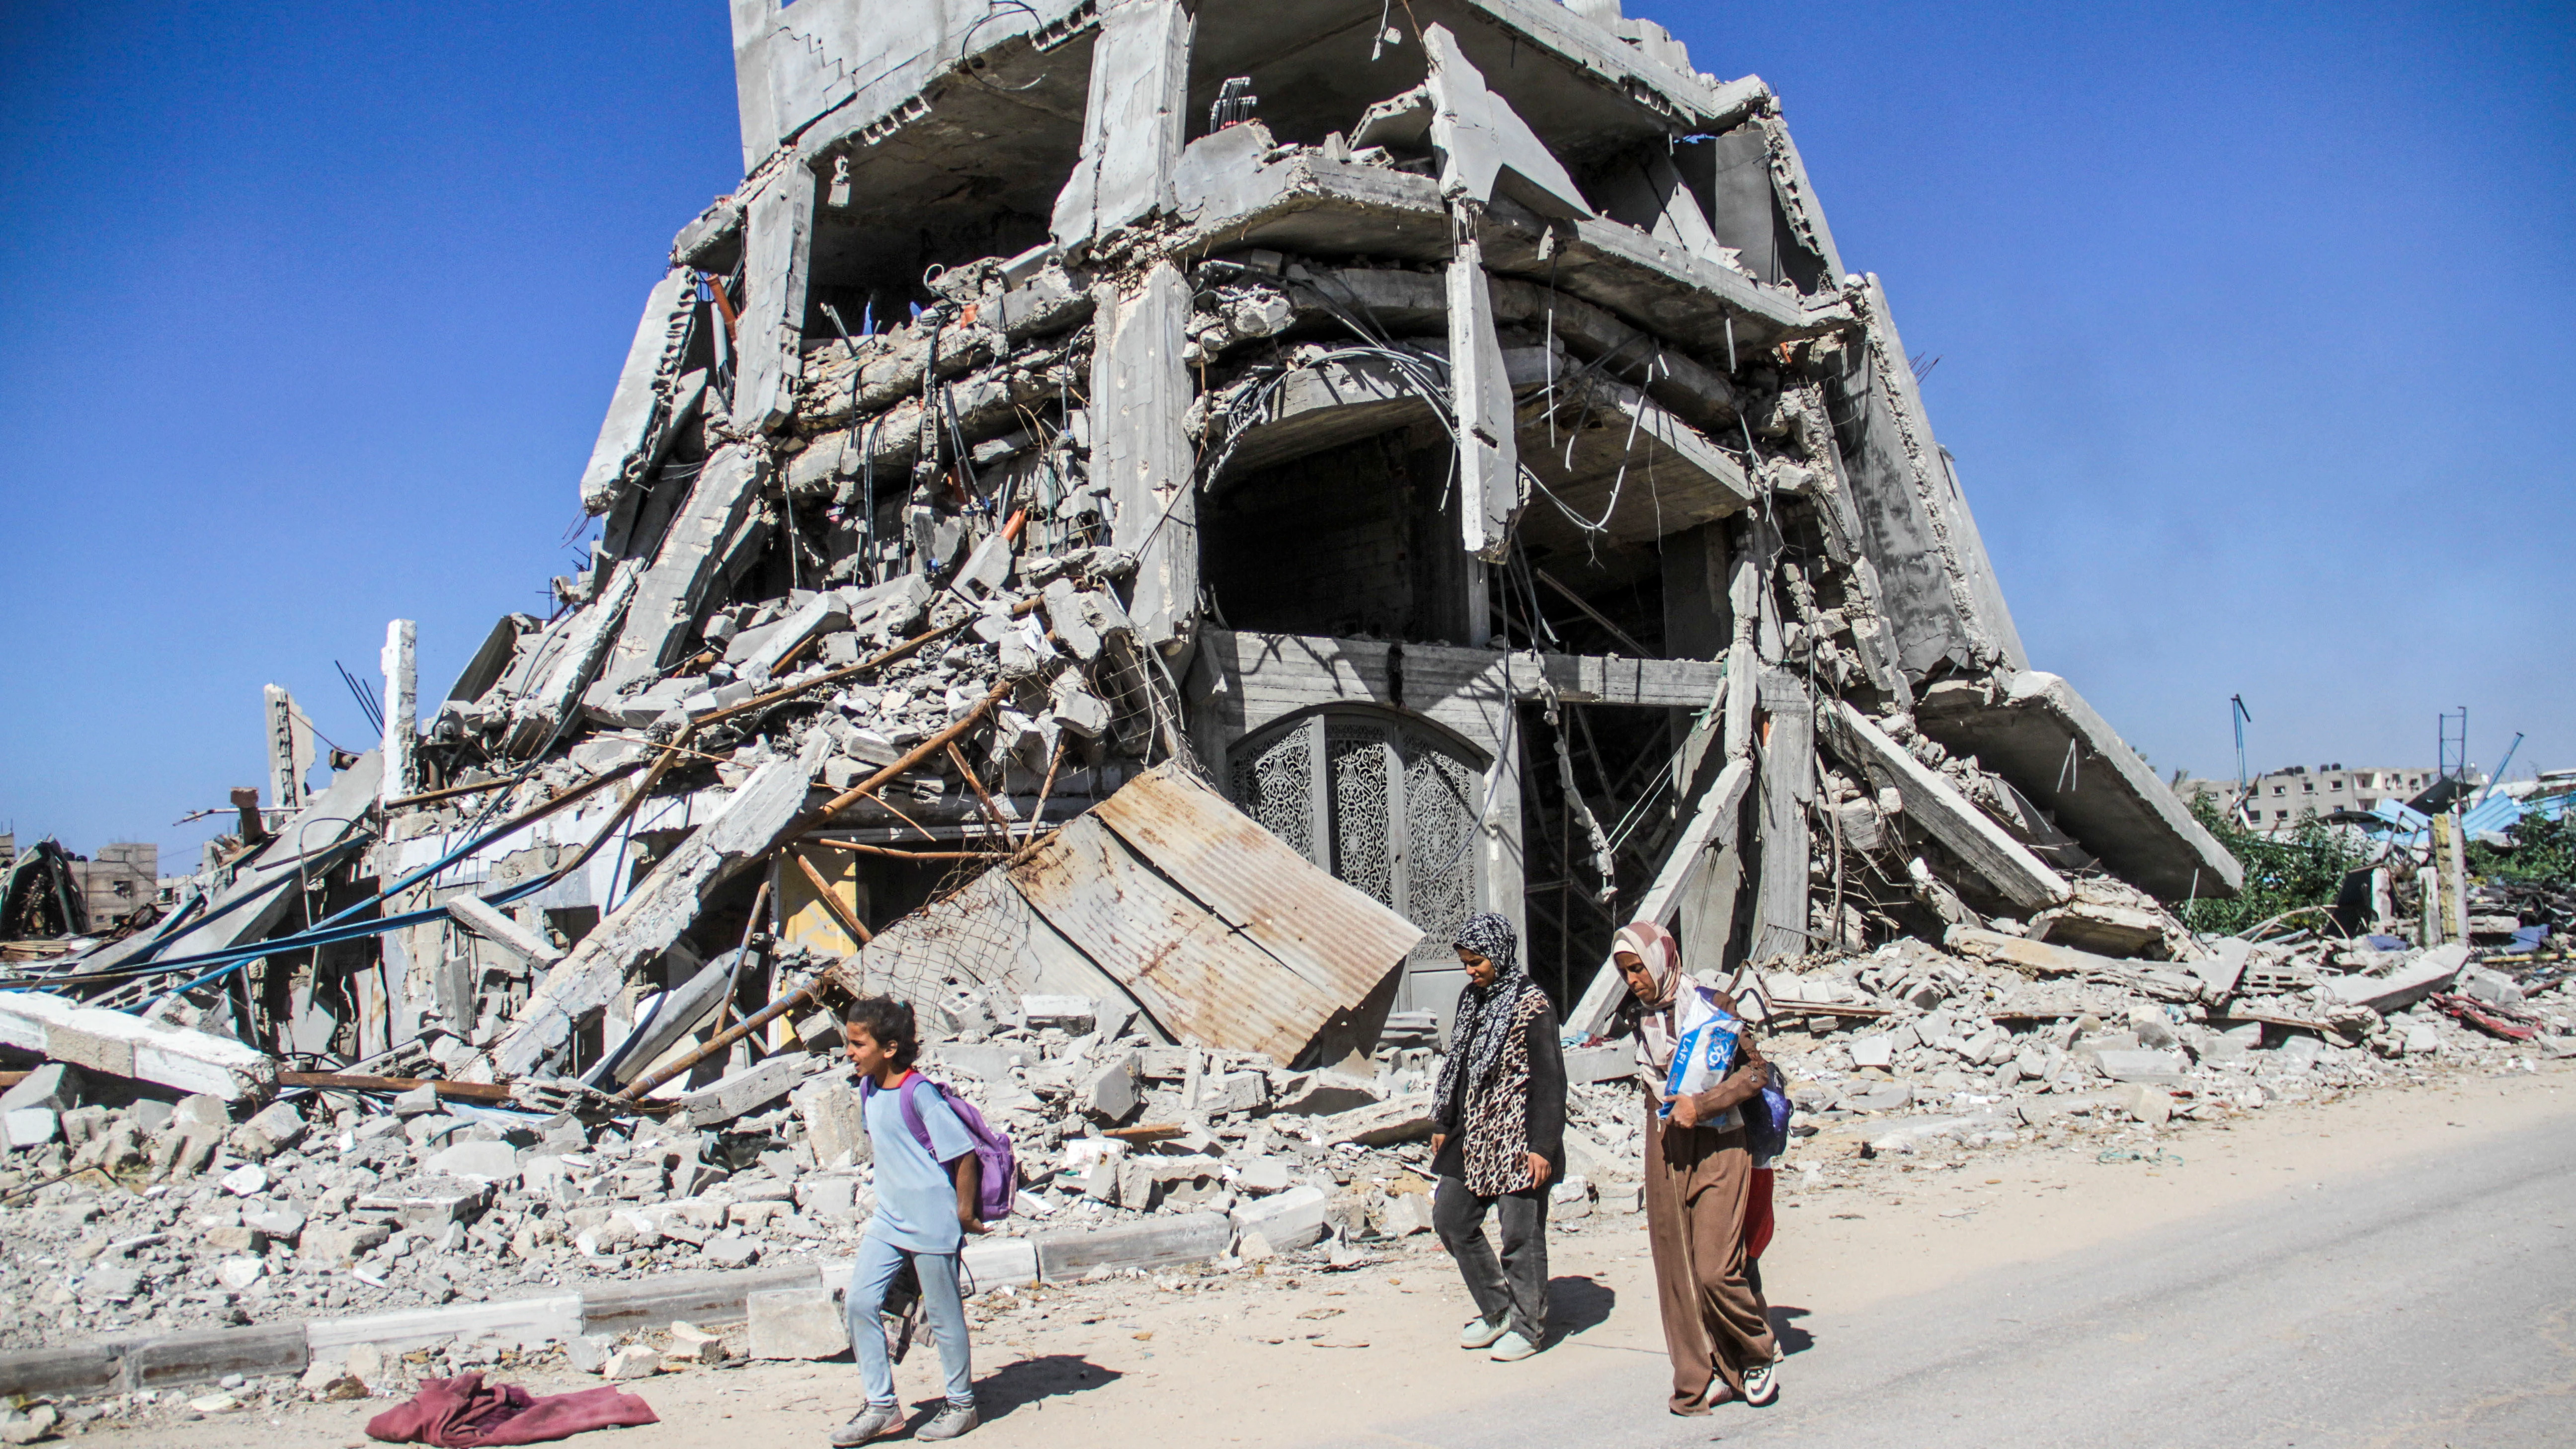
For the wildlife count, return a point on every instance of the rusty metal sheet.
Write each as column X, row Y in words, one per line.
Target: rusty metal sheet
column 1339, row 939
column 986, row 933
column 1189, row 968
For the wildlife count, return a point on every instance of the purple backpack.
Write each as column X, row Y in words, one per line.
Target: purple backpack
column 1000, row 1182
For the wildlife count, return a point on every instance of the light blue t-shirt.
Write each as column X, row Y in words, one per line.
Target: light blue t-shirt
column 916, row 1197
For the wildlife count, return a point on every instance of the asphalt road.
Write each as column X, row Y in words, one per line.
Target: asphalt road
column 2424, row 1308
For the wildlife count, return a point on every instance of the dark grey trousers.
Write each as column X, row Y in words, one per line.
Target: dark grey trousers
column 1517, row 1283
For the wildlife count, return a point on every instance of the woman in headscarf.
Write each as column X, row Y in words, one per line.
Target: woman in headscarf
column 1699, row 1179
column 1500, row 1139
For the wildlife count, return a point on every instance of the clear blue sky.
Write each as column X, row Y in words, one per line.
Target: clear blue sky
column 2255, row 328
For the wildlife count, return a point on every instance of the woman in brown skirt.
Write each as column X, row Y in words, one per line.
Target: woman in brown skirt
column 1699, row 1176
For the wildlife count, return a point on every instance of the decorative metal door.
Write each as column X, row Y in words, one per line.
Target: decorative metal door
column 1388, row 804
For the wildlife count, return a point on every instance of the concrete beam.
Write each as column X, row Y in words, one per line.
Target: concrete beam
column 1485, row 148
column 1713, row 821
column 539, row 716
column 1948, row 816
column 115, row 1044
column 684, row 568
column 1938, row 588
column 645, row 924
column 487, row 921
column 1481, row 398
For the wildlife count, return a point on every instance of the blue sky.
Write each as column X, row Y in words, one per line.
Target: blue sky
column 2255, row 330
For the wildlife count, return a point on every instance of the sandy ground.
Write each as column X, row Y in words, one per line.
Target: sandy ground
column 1300, row 1356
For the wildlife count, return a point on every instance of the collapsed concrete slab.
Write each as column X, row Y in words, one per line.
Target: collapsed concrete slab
column 2039, row 733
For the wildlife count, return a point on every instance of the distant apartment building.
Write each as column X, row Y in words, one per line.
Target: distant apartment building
column 2278, row 800
column 122, row 880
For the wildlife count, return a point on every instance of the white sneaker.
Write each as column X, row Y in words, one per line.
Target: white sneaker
column 1481, row 1332
column 1512, row 1346
column 1761, row 1384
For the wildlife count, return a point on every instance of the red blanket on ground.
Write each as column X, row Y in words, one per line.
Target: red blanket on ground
column 465, row 1413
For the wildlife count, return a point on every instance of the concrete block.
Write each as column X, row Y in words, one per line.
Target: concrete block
column 430, row 1201
column 2145, row 1102
column 826, row 1196
column 700, row 1298
column 1263, row 1175
column 1288, row 1220
column 244, row 1180
column 1150, row 1243
column 745, row 1092
column 634, row 1361
column 992, row 1263
column 1074, row 1014
column 28, row 1126
column 339, row 1243
column 836, row 1127
column 1232, row 1092
column 1878, row 1049
column 796, row 1323
column 1600, row 1064
column 74, row 1368
column 732, row 1250
column 56, row 1085
column 1406, row 1213
column 479, row 1161
column 1110, row 1095
column 2143, row 1065
column 1322, row 1094
column 1400, row 1119
column 2403, row 987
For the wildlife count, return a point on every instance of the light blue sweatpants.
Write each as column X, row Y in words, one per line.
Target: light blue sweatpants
column 941, row 1310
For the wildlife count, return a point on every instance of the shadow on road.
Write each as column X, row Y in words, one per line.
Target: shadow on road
column 1575, row 1304
column 1784, row 1327
column 1025, row 1382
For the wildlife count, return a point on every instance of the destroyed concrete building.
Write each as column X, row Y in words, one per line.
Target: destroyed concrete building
column 1457, row 444
column 1129, row 523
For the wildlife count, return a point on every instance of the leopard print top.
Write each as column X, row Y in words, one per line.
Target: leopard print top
column 1495, row 1149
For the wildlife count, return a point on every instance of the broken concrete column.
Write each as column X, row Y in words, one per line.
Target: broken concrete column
column 290, row 749
column 630, row 437
column 645, row 924
column 1140, row 395
column 1133, row 124
column 1488, row 457
column 402, row 709
column 777, row 251
column 1788, row 789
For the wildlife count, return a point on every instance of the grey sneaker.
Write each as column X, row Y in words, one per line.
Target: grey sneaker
column 868, row 1423
column 952, row 1421
column 1481, row 1332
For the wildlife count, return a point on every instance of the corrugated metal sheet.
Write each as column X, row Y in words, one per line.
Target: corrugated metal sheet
column 1193, row 972
column 1219, row 931
column 1337, row 939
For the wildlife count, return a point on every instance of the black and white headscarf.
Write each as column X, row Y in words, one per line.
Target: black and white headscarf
column 1484, row 1020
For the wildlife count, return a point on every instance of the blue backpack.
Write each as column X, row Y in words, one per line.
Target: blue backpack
column 1000, row 1182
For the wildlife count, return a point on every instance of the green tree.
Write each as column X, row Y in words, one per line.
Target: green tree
column 2282, row 873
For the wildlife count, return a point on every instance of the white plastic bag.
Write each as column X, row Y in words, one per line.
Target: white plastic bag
column 1704, row 1053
